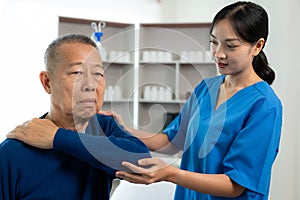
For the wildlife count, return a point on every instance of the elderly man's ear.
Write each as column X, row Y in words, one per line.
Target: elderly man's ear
column 45, row 80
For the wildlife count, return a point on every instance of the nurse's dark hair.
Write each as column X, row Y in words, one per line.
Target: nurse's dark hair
column 250, row 22
column 51, row 57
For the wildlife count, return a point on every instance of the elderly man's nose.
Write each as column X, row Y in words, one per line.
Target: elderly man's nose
column 89, row 84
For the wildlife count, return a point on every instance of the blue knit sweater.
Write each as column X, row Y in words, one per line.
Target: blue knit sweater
column 80, row 166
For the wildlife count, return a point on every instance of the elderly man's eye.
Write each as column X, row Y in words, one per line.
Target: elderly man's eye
column 77, row 73
column 99, row 74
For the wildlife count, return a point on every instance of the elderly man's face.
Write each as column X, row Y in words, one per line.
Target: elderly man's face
column 78, row 83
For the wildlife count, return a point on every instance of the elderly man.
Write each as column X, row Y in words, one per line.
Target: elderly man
column 70, row 152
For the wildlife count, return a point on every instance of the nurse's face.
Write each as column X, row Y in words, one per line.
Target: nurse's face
column 78, row 84
column 231, row 54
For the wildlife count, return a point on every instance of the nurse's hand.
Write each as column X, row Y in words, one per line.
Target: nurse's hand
column 150, row 170
column 36, row 132
column 116, row 116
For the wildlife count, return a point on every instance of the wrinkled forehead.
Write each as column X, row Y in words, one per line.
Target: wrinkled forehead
column 86, row 66
column 79, row 53
column 86, row 51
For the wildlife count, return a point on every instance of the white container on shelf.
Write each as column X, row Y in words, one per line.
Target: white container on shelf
column 117, row 93
column 112, row 55
column 199, row 56
column 109, row 92
column 120, row 56
column 161, row 56
column 184, row 56
column 125, row 57
column 192, row 56
column 208, row 57
column 153, row 55
column 168, row 94
column 161, row 93
column 168, row 56
column 147, row 93
column 154, row 93
column 146, row 56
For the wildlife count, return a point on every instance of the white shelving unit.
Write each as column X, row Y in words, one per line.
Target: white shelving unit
column 169, row 56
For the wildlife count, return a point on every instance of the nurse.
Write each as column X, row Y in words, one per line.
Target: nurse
column 229, row 129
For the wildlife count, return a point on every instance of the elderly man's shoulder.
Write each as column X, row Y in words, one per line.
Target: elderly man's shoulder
column 11, row 145
column 13, row 148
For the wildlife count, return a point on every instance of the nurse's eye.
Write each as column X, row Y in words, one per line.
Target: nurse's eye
column 231, row 46
column 214, row 42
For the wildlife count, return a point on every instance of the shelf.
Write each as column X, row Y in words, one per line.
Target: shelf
column 156, row 59
column 197, row 63
column 159, row 62
column 118, row 101
column 163, row 102
column 89, row 21
column 106, row 62
column 177, row 25
column 176, row 62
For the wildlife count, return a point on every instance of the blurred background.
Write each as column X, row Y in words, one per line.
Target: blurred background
column 28, row 26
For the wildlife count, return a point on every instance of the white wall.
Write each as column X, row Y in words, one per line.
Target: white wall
column 22, row 44
column 284, row 39
column 191, row 10
column 28, row 26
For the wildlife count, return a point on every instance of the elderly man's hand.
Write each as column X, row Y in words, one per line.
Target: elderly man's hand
column 36, row 132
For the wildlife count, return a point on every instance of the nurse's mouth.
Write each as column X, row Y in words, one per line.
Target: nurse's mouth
column 221, row 65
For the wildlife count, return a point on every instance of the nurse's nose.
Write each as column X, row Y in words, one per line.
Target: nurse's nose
column 219, row 52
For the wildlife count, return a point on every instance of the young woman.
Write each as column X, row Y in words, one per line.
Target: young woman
column 229, row 129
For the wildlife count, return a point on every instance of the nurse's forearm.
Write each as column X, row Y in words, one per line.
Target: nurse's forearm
column 213, row 184
column 157, row 142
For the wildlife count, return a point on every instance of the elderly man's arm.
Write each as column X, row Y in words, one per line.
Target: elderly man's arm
column 108, row 150
column 105, row 151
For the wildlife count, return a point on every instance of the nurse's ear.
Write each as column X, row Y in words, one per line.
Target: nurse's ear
column 45, row 80
column 258, row 46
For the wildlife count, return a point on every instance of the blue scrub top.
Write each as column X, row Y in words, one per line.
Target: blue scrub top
column 240, row 138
